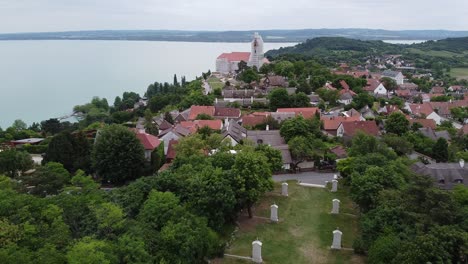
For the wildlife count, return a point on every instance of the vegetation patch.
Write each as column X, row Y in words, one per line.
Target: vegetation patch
column 304, row 233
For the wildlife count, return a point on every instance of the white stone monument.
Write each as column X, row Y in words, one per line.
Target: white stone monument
column 336, row 206
column 257, row 251
column 334, row 186
column 336, row 239
column 274, row 213
column 335, row 177
column 284, row 189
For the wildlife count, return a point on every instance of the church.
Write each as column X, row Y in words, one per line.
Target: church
column 228, row 62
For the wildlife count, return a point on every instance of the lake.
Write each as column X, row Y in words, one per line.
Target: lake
column 45, row 79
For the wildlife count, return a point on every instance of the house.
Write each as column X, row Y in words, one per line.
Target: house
column 331, row 124
column 424, row 110
column 275, row 81
column 389, row 109
column 346, row 94
column 375, row 87
column 227, row 112
column 164, row 124
column 397, row 76
column 273, row 139
column 253, row 120
column 349, row 129
column 408, row 86
column 282, row 116
column 405, row 94
column 434, row 135
column 194, row 125
column 353, row 113
column 427, row 123
column 340, row 152
column 234, row 133
column 29, row 141
column 174, row 133
column 149, row 142
column 445, row 175
column 196, row 110
column 306, row 112
column 181, row 116
column 171, row 153
column 329, row 86
column 314, row 99
column 438, row 90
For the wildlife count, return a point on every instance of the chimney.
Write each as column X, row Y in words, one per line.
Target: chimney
column 267, row 127
column 462, row 163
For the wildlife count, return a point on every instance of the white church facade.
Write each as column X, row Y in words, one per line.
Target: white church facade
column 228, row 62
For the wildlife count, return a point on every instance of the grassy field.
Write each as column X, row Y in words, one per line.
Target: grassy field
column 459, row 73
column 304, row 233
column 215, row 83
column 435, row 53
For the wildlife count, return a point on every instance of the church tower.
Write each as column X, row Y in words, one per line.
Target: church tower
column 256, row 55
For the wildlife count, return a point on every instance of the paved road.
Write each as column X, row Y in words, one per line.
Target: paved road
column 306, row 177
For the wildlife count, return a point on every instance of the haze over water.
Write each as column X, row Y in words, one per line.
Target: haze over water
column 45, row 79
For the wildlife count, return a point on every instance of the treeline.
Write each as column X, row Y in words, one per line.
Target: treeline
column 404, row 218
column 179, row 216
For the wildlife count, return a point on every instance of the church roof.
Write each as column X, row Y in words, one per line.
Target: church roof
column 235, row 56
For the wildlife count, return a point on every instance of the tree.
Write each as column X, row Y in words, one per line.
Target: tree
column 249, row 76
column 399, row 144
column 303, row 148
column 159, row 209
column 13, row 162
column 210, row 195
column 47, row 180
column 251, row 178
column 150, row 126
column 90, row 251
column 275, row 160
column 118, row 155
column 110, row 218
column 397, row 124
column 279, row 98
column 176, row 83
column 72, row 151
column 19, row 125
column 440, row 150
column 299, row 126
column 389, row 83
column 204, row 116
column 299, row 100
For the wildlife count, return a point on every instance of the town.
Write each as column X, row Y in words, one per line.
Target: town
column 382, row 136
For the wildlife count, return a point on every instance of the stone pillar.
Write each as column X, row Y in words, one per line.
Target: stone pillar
column 274, row 213
column 335, row 177
column 334, row 186
column 257, row 251
column 336, row 206
column 284, row 189
column 336, row 239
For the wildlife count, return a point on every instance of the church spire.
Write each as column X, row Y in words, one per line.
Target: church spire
column 256, row 55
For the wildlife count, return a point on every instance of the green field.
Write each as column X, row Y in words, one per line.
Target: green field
column 459, row 73
column 215, row 83
column 304, row 233
column 435, row 53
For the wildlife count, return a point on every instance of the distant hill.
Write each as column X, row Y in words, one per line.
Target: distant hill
column 450, row 44
column 295, row 35
column 336, row 44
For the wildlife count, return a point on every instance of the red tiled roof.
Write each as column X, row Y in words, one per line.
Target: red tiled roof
column 344, row 85
column 421, row 109
column 253, row 120
column 438, row 90
column 332, row 123
column 339, row 151
column 195, row 110
column 227, row 112
column 171, row 151
column 235, row 56
column 368, row 127
column 193, row 126
column 424, row 122
column 403, row 93
column 306, row 112
column 465, row 129
column 372, row 84
column 148, row 141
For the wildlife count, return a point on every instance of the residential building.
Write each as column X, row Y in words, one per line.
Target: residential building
column 397, row 76
column 349, row 129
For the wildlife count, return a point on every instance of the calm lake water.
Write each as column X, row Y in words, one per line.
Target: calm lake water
column 45, row 79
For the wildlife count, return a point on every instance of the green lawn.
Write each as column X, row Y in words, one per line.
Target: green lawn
column 215, row 83
column 304, row 233
column 461, row 73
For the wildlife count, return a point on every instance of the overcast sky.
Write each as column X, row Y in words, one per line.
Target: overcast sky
column 61, row 15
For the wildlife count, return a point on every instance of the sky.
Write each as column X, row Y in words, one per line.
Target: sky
column 70, row 15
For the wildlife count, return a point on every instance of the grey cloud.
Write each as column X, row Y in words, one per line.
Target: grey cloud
column 57, row 15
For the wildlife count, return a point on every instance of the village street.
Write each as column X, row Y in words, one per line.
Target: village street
column 311, row 177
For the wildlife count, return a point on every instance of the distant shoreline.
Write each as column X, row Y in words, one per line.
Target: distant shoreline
column 273, row 36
